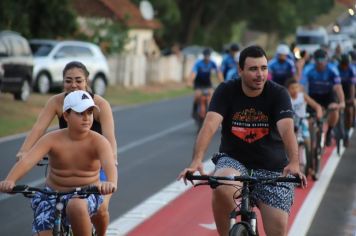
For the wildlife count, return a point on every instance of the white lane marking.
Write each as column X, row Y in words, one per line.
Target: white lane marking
column 147, row 208
column 211, row 226
column 153, row 137
column 306, row 213
column 121, row 150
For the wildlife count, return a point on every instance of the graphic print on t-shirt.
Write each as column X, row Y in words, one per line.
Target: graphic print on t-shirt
column 250, row 125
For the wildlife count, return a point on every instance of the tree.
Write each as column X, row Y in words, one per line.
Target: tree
column 39, row 18
column 211, row 22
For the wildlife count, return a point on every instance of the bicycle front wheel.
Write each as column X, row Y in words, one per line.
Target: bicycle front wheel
column 239, row 230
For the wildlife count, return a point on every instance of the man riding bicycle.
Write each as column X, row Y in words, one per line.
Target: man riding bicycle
column 201, row 77
column 229, row 61
column 257, row 133
column 323, row 80
column 281, row 67
column 348, row 81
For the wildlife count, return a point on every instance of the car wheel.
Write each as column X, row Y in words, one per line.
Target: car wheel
column 99, row 85
column 24, row 93
column 43, row 83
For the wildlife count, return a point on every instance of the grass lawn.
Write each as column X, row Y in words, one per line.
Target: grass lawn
column 16, row 116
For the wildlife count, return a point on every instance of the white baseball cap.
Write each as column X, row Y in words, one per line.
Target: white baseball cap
column 283, row 49
column 78, row 101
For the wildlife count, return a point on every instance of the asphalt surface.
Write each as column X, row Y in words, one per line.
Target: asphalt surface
column 336, row 214
column 155, row 143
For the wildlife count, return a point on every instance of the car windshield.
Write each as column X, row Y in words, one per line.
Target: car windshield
column 41, row 50
column 310, row 40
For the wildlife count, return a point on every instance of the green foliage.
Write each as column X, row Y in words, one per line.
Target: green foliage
column 39, row 18
column 111, row 36
column 213, row 23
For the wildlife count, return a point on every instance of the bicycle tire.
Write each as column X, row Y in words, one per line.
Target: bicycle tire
column 316, row 156
column 239, row 230
column 303, row 158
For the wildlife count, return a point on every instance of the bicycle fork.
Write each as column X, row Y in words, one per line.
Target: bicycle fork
column 58, row 218
column 248, row 217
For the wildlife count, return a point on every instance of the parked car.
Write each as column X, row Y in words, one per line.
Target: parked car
column 311, row 38
column 343, row 40
column 16, row 65
column 51, row 56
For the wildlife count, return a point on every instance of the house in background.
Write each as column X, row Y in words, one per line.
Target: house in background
column 138, row 20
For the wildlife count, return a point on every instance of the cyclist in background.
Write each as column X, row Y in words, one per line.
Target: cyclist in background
column 257, row 134
column 75, row 154
column 281, row 67
column 229, row 61
column 348, row 81
column 323, row 81
column 300, row 100
column 200, row 77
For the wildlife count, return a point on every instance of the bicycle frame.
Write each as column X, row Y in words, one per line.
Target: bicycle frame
column 248, row 216
column 59, row 228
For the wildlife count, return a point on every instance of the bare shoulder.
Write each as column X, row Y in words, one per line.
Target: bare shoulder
column 56, row 102
column 101, row 102
column 98, row 140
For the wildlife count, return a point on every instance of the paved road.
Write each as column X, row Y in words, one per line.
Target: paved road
column 155, row 144
column 337, row 212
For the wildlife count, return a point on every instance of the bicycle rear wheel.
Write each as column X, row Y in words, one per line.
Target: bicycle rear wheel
column 239, row 230
column 316, row 156
column 304, row 158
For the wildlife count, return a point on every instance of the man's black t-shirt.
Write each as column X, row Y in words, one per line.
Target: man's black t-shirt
column 249, row 130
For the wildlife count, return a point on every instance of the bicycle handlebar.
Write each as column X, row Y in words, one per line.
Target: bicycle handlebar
column 244, row 178
column 26, row 190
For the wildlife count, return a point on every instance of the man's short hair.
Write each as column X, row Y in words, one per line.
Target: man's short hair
column 254, row 51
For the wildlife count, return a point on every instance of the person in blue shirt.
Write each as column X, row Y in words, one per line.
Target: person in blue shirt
column 348, row 81
column 323, row 81
column 229, row 61
column 200, row 78
column 281, row 67
column 233, row 73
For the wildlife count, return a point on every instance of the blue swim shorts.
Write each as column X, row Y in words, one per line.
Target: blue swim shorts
column 43, row 207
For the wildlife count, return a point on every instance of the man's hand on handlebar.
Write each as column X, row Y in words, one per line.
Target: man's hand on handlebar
column 193, row 167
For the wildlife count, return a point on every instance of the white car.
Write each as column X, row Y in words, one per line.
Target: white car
column 343, row 40
column 51, row 56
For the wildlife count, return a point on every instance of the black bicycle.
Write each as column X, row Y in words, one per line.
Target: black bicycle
column 304, row 152
column 60, row 228
column 339, row 131
column 316, row 144
column 247, row 226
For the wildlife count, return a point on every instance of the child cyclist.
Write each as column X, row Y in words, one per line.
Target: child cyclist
column 300, row 100
column 75, row 156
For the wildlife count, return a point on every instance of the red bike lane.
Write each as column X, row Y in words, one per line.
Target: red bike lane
column 191, row 213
